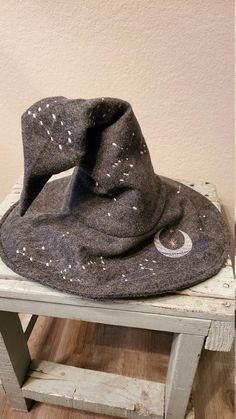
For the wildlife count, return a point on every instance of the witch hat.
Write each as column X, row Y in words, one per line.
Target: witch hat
column 113, row 228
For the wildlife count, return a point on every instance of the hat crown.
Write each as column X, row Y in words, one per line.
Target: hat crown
column 113, row 188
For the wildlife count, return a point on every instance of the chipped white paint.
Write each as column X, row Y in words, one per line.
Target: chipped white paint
column 220, row 337
column 94, row 391
column 14, row 359
column 185, row 353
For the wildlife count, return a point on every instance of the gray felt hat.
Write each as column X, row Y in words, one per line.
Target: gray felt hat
column 114, row 228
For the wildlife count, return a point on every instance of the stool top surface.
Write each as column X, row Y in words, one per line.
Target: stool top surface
column 211, row 299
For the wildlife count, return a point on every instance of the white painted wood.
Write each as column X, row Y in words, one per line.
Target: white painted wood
column 221, row 285
column 27, row 324
column 135, row 319
column 185, row 353
column 94, row 391
column 12, row 291
column 14, row 359
column 220, row 337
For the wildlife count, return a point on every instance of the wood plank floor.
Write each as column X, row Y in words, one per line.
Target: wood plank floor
column 135, row 353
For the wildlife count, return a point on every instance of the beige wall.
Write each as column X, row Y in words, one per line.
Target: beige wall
column 172, row 59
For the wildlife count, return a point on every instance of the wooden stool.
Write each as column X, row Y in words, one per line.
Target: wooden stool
column 199, row 316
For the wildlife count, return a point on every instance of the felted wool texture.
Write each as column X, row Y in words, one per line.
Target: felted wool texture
column 106, row 230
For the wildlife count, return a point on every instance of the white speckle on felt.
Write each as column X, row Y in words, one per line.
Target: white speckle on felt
column 34, row 115
column 134, row 208
column 69, row 132
column 29, row 112
column 51, row 139
column 62, row 123
column 60, row 146
column 69, row 140
column 41, row 122
column 108, row 175
column 39, row 109
column 47, row 106
column 109, row 214
column 54, row 116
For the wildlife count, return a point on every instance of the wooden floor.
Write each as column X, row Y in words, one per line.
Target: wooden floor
column 135, row 353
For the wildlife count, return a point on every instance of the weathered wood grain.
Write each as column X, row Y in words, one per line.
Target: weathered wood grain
column 28, row 321
column 12, row 291
column 220, row 336
column 135, row 319
column 184, row 357
column 94, row 391
column 14, row 359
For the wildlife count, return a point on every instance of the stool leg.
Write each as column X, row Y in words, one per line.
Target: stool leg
column 14, row 359
column 185, row 354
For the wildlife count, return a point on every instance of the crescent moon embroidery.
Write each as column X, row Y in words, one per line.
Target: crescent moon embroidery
column 174, row 253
